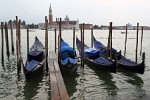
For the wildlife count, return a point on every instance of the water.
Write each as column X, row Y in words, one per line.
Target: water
column 87, row 84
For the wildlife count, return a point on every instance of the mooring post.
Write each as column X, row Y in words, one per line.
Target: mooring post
column 58, row 48
column 59, row 53
column 81, row 45
column 46, row 35
column 17, row 39
column 18, row 46
column 55, row 39
column 74, row 38
column 137, row 42
column 46, row 41
column 2, row 42
column 12, row 38
column 125, row 40
column 92, row 37
column 6, row 39
column 141, row 41
column 27, row 47
column 110, row 40
column 108, row 44
column 27, row 40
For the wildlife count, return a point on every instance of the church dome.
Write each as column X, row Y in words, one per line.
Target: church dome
column 67, row 18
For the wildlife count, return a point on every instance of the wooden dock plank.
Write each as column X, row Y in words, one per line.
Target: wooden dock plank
column 61, row 84
column 53, row 80
column 58, row 90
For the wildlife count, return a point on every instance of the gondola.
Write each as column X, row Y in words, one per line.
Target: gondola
column 35, row 60
column 123, row 62
column 69, row 59
column 93, row 58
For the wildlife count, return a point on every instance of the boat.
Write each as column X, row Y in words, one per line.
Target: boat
column 35, row 60
column 93, row 58
column 123, row 62
column 69, row 58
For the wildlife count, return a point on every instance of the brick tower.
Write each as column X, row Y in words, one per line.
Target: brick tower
column 50, row 15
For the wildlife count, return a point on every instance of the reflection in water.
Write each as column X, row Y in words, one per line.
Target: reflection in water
column 7, row 73
column 133, row 78
column 107, row 84
column 31, row 87
column 2, row 58
column 137, row 90
column 70, row 82
column 93, row 84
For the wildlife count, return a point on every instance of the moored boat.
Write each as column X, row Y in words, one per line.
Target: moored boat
column 93, row 58
column 69, row 58
column 123, row 62
column 35, row 60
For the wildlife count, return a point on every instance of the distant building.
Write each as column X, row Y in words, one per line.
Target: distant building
column 66, row 23
column 129, row 26
column 87, row 26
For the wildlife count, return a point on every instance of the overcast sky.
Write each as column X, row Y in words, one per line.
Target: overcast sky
column 99, row 12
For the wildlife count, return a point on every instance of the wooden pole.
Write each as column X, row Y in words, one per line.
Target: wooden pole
column 27, row 48
column 46, row 35
column 83, row 45
column 18, row 45
column 27, row 40
column 110, row 40
column 17, row 39
column 12, row 39
column 55, row 39
column 125, row 41
column 6, row 39
column 58, row 49
column 141, row 41
column 108, row 45
column 74, row 38
column 2, row 42
column 92, row 37
column 46, row 41
column 137, row 42
column 59, row 53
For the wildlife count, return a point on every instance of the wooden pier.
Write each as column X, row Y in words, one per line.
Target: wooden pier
column 58, row 89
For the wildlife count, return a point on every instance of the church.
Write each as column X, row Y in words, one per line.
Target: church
column 65, row 24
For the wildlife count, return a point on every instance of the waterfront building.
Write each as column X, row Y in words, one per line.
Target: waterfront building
column 87, row 26
column 66, row 23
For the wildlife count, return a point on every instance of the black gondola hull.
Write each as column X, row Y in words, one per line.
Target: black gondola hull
column 102, row 67
column 139, row 68
column 34, row 73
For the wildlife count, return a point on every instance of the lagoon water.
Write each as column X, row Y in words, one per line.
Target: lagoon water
column 87, row 84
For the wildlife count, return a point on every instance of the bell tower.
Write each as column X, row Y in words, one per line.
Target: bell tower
column 50, row 15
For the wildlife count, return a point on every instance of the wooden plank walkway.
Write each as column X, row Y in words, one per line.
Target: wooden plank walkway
column 58, row 90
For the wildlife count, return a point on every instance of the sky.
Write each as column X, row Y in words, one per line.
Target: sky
column 96, row 12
